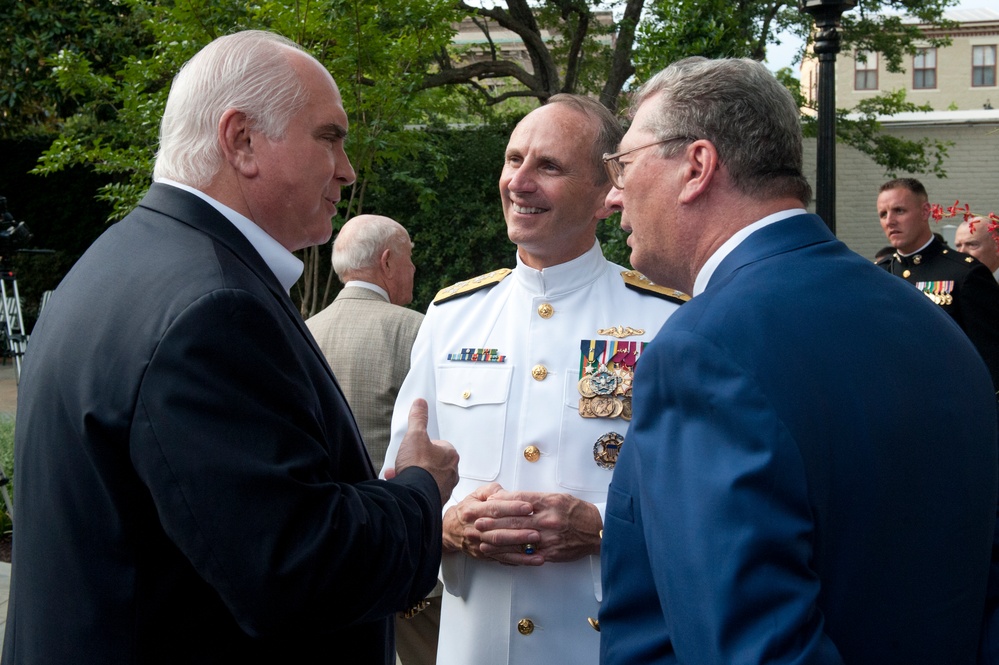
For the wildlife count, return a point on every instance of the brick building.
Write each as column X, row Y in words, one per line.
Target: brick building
column 972, row 169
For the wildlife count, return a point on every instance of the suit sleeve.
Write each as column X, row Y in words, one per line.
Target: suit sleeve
column 980, row 316
column 725, row 518
column 246, row 471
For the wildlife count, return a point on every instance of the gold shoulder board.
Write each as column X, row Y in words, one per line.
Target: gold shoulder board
column 639, row 282
column 471, row 285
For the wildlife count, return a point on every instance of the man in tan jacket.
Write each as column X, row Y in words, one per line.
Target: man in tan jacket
column 366, row 335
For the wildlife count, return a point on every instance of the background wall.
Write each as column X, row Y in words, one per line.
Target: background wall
column 972, row 168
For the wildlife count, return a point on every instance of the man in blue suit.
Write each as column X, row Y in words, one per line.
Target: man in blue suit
column 191, row 486
column 795, row 486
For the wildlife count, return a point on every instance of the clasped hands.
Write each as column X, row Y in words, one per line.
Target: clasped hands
column 492, row 523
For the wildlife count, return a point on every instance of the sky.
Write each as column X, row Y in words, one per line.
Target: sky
column 781, row 56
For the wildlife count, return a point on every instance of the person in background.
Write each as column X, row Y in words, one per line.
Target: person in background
column 190, row 483
column 529, row 372
column 978, row 243
column 366, row 335
column 784, row 495
column 958, row 284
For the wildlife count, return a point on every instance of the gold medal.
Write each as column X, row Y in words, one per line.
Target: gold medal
column 618, row 408
column 586, row 407
column 585, row 389
column 626, row 408
column 603, row 406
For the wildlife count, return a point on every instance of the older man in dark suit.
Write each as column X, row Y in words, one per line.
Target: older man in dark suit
column 784, row 495
column 191, row 486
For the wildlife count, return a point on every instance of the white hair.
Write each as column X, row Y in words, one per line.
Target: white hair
column 361, row 241
column 249, row 71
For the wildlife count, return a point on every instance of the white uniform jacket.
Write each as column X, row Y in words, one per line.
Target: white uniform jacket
column 500, row 369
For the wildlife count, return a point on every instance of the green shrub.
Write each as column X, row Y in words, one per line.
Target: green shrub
column 7, row 464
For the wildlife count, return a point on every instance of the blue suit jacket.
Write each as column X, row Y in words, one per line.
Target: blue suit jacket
column 810, row 475
column 190, row 484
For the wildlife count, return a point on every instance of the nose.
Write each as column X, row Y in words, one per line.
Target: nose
column 343, row 171
column 518, row 179
column 614, row 200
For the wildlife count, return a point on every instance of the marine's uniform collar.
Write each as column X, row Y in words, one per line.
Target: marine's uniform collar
column 930, row 250
column 564, row 277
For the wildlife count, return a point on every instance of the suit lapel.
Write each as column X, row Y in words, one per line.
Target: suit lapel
column 192, row 211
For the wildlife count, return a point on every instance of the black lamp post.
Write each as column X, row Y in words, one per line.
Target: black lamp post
column 827, row 14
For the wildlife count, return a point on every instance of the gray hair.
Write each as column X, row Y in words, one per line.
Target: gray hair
column 249, row 71
column 361, row 241
column 741, row 108
column 609, row 129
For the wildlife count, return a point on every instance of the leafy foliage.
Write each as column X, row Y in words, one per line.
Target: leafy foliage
column 7, row 464
column 458, row 232
column 862, row 130
column 32, row 102
column 96, row 74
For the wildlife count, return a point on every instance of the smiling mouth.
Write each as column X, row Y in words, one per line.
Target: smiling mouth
column 524, row 210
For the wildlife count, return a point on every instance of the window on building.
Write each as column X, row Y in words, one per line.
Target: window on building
column 983, row 66
column 865, row 74
column 924, row 69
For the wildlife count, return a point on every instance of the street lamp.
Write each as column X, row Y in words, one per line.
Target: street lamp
column 827, row 14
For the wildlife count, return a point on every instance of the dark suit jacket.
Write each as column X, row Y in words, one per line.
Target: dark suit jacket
column 971, row 294
column 190, row 483
column 810, row 475
column 367, row 341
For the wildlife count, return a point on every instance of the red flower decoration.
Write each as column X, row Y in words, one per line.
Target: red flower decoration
column 937, row 212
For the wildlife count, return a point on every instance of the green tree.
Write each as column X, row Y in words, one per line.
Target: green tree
column 377, row 52
column 32, row 103
column 99, row 74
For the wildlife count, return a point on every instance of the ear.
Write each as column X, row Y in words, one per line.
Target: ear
column 385, row 262
column 699, row 169
column 236, row 144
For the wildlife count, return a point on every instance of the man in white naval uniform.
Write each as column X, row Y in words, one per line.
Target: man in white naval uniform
column 528, row 373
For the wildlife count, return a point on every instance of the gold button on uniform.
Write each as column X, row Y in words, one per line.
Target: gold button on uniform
column 906, row 273
column 594, row 623
column 525, row 626
column 539, row 372
column 532, row 453
column 545, row 311
column 466, row 394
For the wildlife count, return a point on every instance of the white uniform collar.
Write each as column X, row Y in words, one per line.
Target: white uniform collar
column 564, row 277
column 932, row 238
column 286, row 266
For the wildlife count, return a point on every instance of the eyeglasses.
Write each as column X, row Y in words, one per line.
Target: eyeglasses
column 614, row 167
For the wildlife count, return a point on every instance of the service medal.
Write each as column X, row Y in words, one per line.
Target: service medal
column 606, row 449
column 603, row 406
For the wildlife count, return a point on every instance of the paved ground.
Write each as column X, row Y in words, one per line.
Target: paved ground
column 8, row 405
